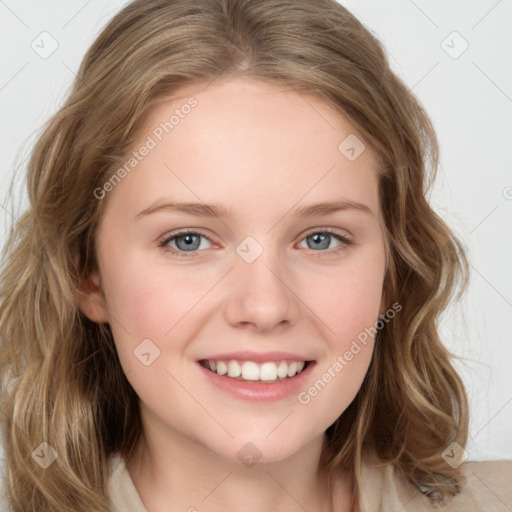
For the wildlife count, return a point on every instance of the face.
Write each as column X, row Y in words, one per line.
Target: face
column 268, row 284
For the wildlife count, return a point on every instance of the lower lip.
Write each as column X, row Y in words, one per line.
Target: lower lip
column 257, row 390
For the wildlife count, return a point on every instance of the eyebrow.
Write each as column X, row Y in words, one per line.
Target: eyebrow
column 219, row 211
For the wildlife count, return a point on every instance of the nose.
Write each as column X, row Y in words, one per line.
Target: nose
column 260, row 295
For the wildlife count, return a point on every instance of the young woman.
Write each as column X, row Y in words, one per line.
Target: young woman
column 225, row 290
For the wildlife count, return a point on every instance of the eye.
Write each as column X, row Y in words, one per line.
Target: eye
column 188, row 243
column 319, row 240
column 184, row 241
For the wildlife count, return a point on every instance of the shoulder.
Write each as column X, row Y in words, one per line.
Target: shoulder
column 486, row 486
column 121, row 489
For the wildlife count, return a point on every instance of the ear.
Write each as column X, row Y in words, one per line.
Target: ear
column 91, row 299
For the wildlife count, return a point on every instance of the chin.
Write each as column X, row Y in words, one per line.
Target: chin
column 248, row 449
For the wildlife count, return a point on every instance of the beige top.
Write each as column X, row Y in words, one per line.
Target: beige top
column 488, row 488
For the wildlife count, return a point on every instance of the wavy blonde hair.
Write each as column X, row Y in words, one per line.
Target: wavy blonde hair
column 62, row 381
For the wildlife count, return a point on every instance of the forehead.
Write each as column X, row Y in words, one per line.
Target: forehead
column 248, row 111
column 242, row 139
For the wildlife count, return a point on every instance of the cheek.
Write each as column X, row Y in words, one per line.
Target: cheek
column 157, row 303
column 148, row 312
column 348, row 301
column 149, row 301
column 349, row 305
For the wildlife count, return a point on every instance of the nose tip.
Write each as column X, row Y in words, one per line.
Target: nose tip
column 259, row 295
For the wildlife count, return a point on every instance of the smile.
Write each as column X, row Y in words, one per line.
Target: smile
column 271, row 371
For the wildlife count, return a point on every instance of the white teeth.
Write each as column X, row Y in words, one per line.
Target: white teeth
column 222, row 368
column 234, row 369
column 292, row 369
column 249, row 370
column 268, row 371
column 282, row 370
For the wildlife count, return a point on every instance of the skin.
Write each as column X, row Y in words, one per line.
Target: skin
column 261, row 151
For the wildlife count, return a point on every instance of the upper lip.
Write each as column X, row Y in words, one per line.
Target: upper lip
column 257, row 357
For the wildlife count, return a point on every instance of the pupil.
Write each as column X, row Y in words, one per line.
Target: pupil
column 321, row 240
column 185, row 242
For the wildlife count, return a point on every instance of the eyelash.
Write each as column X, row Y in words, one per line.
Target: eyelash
column 187, row 254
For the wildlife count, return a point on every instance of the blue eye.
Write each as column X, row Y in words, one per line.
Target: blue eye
column 189, row 243
column 185, row 241
column 322, row 240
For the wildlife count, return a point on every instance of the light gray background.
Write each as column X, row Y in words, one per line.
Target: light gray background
column 469, row 97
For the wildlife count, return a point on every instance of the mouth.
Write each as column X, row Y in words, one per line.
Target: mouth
column 251, row 371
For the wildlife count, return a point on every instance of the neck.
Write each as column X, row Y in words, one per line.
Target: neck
column 173, row 469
